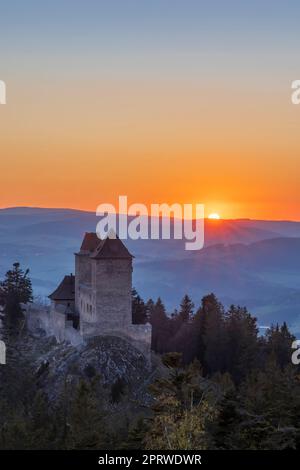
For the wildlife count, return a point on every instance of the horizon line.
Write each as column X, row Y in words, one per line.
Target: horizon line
column 149, row 215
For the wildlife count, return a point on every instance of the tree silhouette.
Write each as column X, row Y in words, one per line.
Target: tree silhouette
column 16, row 289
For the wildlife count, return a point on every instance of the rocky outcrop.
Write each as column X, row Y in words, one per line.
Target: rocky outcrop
column 111, row 358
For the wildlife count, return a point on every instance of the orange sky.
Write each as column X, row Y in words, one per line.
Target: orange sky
column 196, row 113
column 80, row 144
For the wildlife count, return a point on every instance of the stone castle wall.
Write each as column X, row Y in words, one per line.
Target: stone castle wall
column 111, row 284
column 83, row 276
column 137, row 335
column 52, row 320
column 106, row 302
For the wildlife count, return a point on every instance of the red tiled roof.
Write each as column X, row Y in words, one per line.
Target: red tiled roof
column 111, row 248
column 65, row 290
column 90, row 242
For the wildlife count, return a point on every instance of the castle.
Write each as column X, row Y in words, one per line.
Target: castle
column 97, row 300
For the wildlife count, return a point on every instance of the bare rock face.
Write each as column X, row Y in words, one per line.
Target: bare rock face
column 111, row 358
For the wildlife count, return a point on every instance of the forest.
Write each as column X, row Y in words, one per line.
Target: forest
column 219, row 384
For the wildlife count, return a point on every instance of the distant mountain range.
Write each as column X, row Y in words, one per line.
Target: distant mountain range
column 250, row 262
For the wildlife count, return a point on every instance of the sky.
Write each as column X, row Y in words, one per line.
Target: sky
column 163, row 101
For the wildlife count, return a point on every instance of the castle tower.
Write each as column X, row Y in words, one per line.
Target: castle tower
column 83, row 271
column 103, row 285
column 102, row 297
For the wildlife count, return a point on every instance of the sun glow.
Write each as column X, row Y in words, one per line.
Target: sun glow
column 214, row 216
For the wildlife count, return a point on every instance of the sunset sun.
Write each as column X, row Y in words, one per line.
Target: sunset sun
column 214, row 215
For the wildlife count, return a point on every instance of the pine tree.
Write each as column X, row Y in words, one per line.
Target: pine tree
column 279, row 343
column 242, row 349
column 182, row 411
column 160, row 330
column 85, row 420
column 41, row 430
column 139, row 309
column 16, row 289
column 263, row 414
column 212, row 334
column 186, row 309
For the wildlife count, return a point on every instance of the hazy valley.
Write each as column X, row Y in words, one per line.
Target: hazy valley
column 253, row 263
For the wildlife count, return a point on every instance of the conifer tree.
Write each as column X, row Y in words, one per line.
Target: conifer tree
column 15, row 290
column 242, row 349
column 182, row 411
column 159, row 322
column 279, row 343
column 186, row 309
column 139, row 309
column 85, row 420
column 212, row 334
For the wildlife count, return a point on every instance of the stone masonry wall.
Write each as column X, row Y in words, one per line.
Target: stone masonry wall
column 111, row 284
column 52, row 321
column 83, row 276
